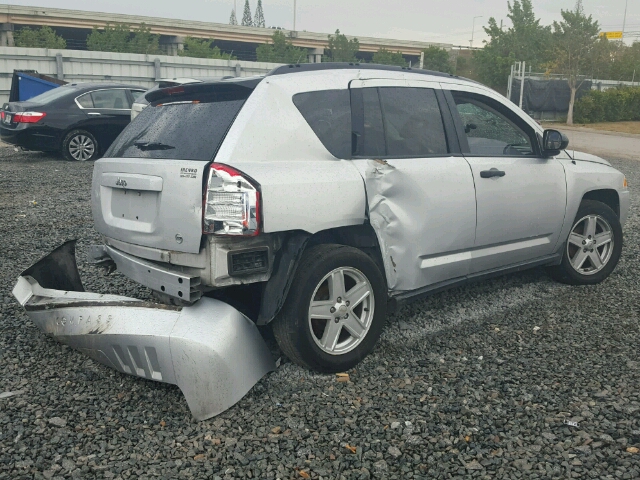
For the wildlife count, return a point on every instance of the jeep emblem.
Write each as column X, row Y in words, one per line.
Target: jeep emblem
column 121, row 183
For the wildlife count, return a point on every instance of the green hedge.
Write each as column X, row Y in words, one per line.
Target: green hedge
column 613, row 105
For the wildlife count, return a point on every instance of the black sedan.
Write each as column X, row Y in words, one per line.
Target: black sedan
column 79, row 120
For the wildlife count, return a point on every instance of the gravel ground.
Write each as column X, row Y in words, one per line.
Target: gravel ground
column 475, row 382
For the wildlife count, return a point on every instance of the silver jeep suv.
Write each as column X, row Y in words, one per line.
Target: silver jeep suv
column 316, row 199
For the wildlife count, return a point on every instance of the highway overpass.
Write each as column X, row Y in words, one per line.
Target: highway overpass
column 75, row 25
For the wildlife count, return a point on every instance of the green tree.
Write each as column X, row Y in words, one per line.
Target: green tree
column 438, row 59
column 232, row 19
column 575, row 39
column 626, row 65
column 387, row 57
column 110, row 39
column 120, row 38
column 526, row 40
column 280, row 50
column 258, row 20
column 43, row 37
column 201, row 48
column 342, row 49
column 143, row 41
column 246, row 16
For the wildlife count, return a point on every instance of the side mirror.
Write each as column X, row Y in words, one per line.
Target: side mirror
column 553, row 142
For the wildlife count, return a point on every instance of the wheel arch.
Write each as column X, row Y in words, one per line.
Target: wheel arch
column 608, row 196
column 294, row 244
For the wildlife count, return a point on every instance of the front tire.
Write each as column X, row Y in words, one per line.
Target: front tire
column 593, row 247
column 80, row 146
column 335, row 310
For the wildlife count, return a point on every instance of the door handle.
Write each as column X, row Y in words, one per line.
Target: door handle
column 94, row 113
column 494, row 172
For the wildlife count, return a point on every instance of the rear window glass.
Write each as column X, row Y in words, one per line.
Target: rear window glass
column 51, row 95
column 412, row 122
column 328, row 113
column 181, row 128
column 85, row 100
column 113, row 99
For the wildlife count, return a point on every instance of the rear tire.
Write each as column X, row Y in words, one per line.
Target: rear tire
column 80, row 146
column 593, row 247
column 335, row 311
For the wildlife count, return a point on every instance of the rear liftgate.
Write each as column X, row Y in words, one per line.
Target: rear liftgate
column 210, row 350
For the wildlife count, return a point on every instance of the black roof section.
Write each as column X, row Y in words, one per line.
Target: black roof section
column 315, row 67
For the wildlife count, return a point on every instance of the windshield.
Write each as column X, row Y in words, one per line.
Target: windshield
column 51, row 95
column 190, row 128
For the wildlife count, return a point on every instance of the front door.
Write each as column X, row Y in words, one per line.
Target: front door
column 521, row 196
column 420, row 189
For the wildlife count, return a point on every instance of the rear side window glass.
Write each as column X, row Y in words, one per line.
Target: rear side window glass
column 114, row 99
column 85, row 100
column 185, row 128
column 328, row 113
column 412, row 122
column 373, row 131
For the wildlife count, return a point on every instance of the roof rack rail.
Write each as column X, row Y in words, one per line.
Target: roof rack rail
column 314, row 67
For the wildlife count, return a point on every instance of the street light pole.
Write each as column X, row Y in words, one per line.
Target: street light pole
column 473, row 30
column 294, row 15
column 624, row 21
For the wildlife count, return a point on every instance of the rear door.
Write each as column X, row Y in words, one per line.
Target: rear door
column 148, row 188
column 521, row 196
column 419, row 187
column 109, row 110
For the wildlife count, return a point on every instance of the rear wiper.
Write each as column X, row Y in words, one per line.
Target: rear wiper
column 153, row 146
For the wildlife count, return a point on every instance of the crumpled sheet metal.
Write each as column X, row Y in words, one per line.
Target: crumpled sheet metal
column 212, row 352
column 418, row 215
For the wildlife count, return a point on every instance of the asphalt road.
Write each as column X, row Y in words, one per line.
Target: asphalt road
column 602, row 143
column 480, row 381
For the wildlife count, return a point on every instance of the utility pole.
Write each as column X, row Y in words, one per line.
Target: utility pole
column 523, row 67
column 624, row 21
column 473, row 30
column 294, row 15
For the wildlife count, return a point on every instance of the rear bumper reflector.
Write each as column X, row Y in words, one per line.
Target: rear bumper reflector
column 212, row 352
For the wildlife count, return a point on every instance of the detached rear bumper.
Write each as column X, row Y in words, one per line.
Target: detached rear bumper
column 210, row 350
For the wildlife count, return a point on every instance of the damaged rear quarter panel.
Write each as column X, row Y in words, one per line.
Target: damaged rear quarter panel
column 303, row 186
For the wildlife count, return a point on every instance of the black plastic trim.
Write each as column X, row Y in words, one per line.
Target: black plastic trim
column 395, row 301
column 316, row 67
column 231, row 253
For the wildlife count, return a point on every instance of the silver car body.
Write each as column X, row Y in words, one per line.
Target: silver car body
column 436, row 222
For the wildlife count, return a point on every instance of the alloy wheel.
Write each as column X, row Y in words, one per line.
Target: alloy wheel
column 341, row 310
column 590, row 244
column 82, row 148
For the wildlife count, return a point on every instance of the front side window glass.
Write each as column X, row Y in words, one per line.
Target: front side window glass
column 114, row 99
column 412, row 122
column 489, row 132
column 328, row 113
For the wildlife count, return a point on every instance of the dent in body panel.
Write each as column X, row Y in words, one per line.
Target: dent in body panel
column 422, row 211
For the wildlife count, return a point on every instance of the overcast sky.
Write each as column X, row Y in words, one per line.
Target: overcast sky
column 425, row 20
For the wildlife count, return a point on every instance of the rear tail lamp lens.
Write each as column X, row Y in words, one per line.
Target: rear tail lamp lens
column 28, row 117
column 231, row 204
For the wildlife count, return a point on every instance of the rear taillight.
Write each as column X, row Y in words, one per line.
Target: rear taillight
column 28, row 117
column 231, row 203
